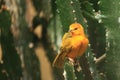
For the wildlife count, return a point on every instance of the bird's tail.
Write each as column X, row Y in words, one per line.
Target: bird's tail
column 59, row 60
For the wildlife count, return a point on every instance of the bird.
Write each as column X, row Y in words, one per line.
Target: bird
column 73, row 45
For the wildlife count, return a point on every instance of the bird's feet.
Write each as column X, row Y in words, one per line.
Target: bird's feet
column 75, row 63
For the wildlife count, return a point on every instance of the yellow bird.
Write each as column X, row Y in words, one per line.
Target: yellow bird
column 74, row 44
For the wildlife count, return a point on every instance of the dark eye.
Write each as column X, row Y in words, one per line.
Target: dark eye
column 75, row 28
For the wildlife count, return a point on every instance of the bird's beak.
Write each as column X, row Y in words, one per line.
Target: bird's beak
column 70, row 31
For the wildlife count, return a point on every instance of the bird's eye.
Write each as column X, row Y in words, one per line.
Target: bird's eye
column 75, row 28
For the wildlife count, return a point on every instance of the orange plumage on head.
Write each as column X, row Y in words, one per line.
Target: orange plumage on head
column 74, row 44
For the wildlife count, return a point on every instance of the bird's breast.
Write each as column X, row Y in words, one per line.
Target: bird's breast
column 79, row 45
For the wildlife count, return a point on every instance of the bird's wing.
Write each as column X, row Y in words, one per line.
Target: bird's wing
column 64, row 50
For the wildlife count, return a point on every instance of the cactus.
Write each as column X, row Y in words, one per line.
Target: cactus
column 100, row 19
column 67, row 11
column 96, row 32
column 69, row 14
column 30, row 60
column 69, row 72
column 111, row 20
column 11, row 63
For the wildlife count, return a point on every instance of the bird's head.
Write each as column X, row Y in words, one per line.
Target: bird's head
column 76, row 29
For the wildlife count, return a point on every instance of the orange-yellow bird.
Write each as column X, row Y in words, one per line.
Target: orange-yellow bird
column 74, row 44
